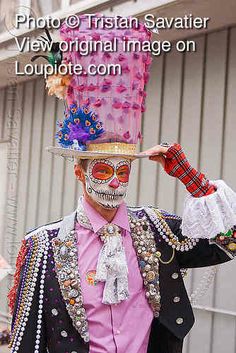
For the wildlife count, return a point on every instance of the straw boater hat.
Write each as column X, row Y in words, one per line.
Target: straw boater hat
column 103, row 112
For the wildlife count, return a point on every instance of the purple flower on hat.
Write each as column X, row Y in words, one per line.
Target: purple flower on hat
column 121, row 88
column 126, row 135
column 121, row 57
column 140, row 137
column 92, row 61
column 126, row 105
column 91, row 87
column 95, row 36
column 146, row 77
column 107, row 55
column 136, row 106
column 135, row 85
column 98, row 103
column 143, row 108
column 80, row 88
column 106, row 86
column 138, row 75
column 77, row 133
column 110, row 116
column 116, row 103
column 125, row 68
column 121, row 119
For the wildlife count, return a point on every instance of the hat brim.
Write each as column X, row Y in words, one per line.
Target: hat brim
column 69, row 152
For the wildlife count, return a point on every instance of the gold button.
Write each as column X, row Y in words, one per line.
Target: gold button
column 150, row 276
column 232, row 246
column 179, row 320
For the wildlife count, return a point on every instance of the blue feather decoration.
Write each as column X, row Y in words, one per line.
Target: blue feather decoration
column 79, row 126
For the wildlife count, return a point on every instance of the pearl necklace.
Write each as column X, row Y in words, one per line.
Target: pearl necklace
column 38, row 248
column 166, row 233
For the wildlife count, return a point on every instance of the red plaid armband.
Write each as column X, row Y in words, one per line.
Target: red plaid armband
column 177, row 165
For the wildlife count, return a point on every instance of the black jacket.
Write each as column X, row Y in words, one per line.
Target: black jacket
column 168, row 330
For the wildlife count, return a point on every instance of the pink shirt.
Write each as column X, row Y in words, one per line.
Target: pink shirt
column 118, row 328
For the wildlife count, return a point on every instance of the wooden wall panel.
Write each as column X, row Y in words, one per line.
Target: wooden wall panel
column 151, row 130
column 25, row 153
column 35, row 154
column 225, row 292
column 46, row 161
column 2, row 112
column 56, row 197
column 210, row 156
column 172, row 91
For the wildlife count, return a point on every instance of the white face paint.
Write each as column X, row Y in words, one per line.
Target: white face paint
column 107, row 180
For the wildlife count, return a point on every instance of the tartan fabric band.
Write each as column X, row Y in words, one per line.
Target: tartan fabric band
column 177, row 165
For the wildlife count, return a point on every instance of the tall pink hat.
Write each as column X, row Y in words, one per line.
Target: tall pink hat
column 103, row 112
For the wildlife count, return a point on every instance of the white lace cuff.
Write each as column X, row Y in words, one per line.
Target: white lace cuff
column 207, row 216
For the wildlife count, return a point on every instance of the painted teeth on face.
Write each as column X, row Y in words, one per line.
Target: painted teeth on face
column 97, row 181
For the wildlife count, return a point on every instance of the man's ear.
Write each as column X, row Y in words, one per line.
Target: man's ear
column 79, row 172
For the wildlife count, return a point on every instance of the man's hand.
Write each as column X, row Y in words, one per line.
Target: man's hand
column 175, row 163
column 157, row 154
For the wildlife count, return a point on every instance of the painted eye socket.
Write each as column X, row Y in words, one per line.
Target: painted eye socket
column 102, row 171
column 123, row 173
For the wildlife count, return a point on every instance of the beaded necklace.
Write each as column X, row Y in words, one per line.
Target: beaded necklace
column 38, row 249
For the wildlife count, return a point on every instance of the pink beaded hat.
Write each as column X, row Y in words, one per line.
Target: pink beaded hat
column 102, row 111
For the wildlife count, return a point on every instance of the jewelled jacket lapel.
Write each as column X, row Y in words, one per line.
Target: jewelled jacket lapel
column 66, row 266
column 148, row 257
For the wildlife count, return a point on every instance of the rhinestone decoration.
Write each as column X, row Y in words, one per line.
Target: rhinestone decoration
column 109, row 230
column 145, row 246
column 66, row 260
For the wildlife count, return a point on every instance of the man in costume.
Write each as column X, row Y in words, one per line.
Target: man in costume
column 107, row 278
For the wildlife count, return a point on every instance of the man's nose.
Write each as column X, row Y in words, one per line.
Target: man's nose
column 114, row 183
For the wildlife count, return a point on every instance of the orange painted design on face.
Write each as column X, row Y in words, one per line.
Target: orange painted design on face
column 123, row 173
column 102, row 171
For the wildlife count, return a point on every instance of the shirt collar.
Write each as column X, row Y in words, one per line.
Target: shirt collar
column 97, row 221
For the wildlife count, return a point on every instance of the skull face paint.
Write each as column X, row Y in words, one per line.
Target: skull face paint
column 107, row 180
